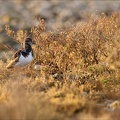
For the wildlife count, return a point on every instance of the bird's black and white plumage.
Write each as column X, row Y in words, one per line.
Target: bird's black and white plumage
column 23, row 56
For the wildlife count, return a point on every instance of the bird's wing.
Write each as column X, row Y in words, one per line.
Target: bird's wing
column 14, row 60
column 16, row 55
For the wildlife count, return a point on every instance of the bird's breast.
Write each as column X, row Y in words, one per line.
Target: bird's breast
column 24, row 60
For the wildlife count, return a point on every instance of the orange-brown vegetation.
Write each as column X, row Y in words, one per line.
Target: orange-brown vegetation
column 79, row 74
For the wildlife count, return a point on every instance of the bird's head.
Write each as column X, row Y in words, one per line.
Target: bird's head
column 29, row 40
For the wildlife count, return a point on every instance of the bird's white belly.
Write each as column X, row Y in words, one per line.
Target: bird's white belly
column 24, row 60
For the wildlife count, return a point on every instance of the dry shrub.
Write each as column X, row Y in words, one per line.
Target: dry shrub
column 86, row 56
column 20, row 100
column 90, row 47
column 87, row 53
column 82, row 45
column 22, row 104
column 79, row 46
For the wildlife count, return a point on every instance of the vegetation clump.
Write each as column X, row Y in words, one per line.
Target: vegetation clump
column 78, row 75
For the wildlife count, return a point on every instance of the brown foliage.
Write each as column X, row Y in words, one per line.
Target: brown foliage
column 86, row 56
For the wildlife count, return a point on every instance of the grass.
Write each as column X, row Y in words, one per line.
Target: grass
column 80, row 68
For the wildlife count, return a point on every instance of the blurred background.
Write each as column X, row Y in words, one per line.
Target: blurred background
column 23, row 14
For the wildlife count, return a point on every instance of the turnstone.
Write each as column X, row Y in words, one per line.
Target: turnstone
column 23, row 56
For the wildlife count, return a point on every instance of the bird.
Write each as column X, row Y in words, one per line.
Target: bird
column 23, row 56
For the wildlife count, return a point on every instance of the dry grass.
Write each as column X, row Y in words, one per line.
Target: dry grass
column 85, row 57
